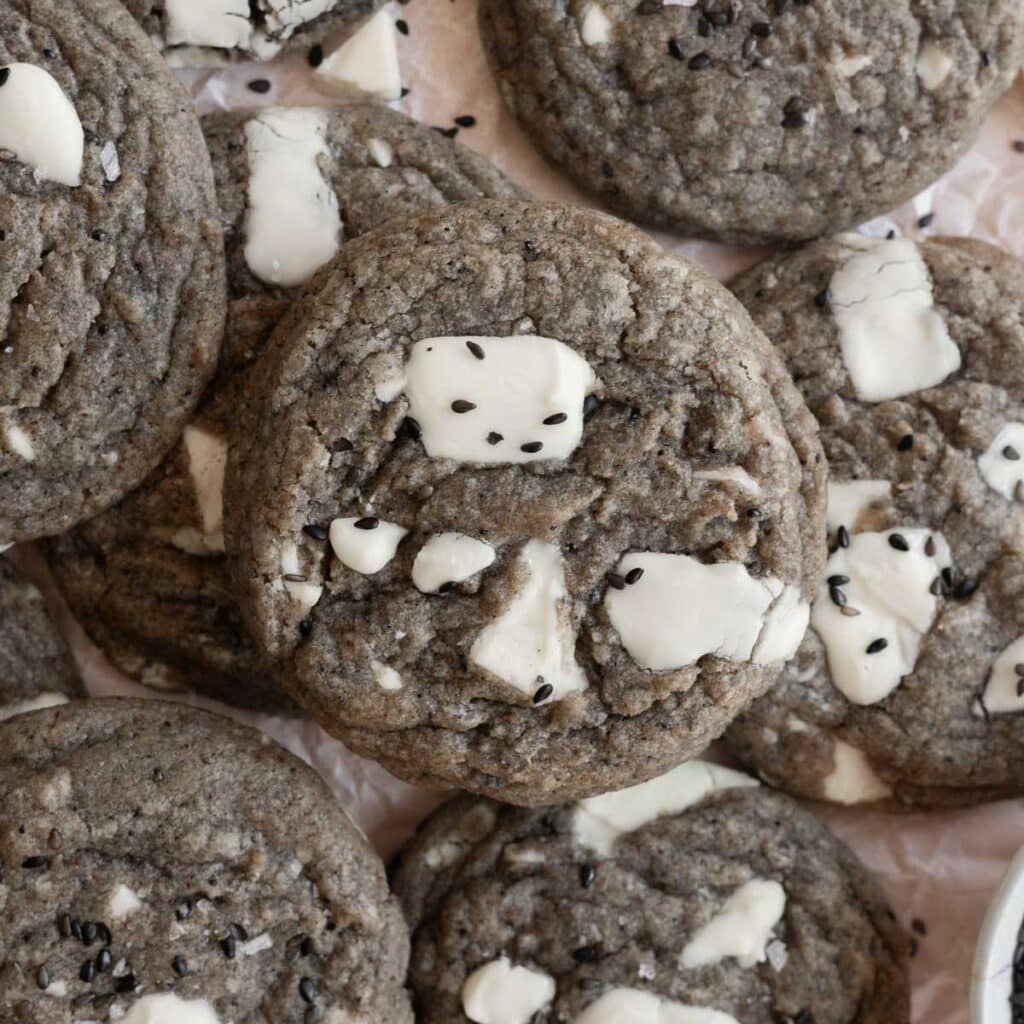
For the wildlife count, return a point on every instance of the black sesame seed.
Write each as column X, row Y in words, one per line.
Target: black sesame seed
column 89, row 932
column 367, row 523
column 838, row 597
column 929, row 547
column 43, row 977
column 926, row 220
column 38, row 861
column 103, row 960
column 306, row 947
column 465, row 120
column 587, row 875
column 476, row 349
column 1020, row 686
column 699, row 62
column 76, row 929
column 5, row 73
column 531, row 447
column 1018, row 146
column 180, row 966
column 402, row 25
column 965, row 589
column 412, row 428
column 675, row 49
column 314, row 531
column 1019, row 668
column 937, row 587
column 796, row 119
column 230, row 946
column 761, row 29
column 315, row 55
column 543, row 692
column 494, row 438
column 64, row 925
column 553, row 421
column 305, row 627
column 590, row 404
column 87, row 971
column 947, row 576
column 843, row 537
column 1011, row 453
column 838, row 580
column 460, row 405
column 754, row 513
column 919, row 926
column 905, row 443
column 448, row 587
column 585, row 954
column 877, row 646
column 898, row 541
column 129, row 983
column 822, row 299
column 239, row 932
column 260, row 85
column 616, row 581
column 634, row 575
column 448, row 133
column 295, row 577
column 103, row 934
column 307, row 990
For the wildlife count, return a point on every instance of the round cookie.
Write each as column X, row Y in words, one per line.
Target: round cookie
column 693, row 892
column 195, row 32
column 493, row 458
column 36, row 667
column 753, row 122
column 905, row 687
column 147, row 579
column 112, row 281
column 166, row 866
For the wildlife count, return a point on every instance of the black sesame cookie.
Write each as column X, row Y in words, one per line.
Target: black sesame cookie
column 195, row 32
column 694, row 891
column 148, row 579
column 165, row 866
column 496, row 453
column 36, row 667
column 112, row 277
column 758, row 121
column 907, row 685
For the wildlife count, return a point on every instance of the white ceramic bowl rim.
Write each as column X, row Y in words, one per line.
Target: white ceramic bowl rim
column 992, row 975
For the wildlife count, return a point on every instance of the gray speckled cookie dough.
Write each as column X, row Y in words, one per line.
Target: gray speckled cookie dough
column 194, row 32
column 694, row 892
column 165, row 866
column 148, row 579
column 912, row 359
column 36, row 667
column 757, row 121
column 509, row 464
column 112, row 277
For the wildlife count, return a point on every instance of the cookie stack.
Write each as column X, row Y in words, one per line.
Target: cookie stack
column 319, row 414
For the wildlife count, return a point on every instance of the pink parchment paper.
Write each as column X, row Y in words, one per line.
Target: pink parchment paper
column 939, row 868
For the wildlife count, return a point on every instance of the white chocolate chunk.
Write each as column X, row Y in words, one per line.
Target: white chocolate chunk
column 167, row 1008
column 387, row 678
column 293, row 226
column 449, row 558
column 19, row 442
column 741, row 929
column 890, row 589
column 533, row 642
column 785, row 624
column 733, row 474
column 847, row 501
column 634, row 1006
column 305, row 594
column 21, row 707
column 123, row 903
column 366, row 548
column 1002, row 464
column 506, row 397
column 383, row 152
column 852, row 779
column 499, row 993
column 681, row 610
column 596, row 28
column 599, row 820
column 221, row 23
column 893, row 340
column 40, row 125
column 848, row 66
column 283, row 17
column 368, row 61
column 207, row 461
column 1000, row 695
column 933, row 66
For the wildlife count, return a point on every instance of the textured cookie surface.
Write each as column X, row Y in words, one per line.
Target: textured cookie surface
column 112, row 281
column 35, row 663
column 223, row 884
column 703, row 894
column 148, row 579
column 918, row 385
column 753, row 121
column 493, row 441
column 206, row 31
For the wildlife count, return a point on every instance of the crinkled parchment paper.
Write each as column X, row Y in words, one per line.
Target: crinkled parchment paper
column 938, row 868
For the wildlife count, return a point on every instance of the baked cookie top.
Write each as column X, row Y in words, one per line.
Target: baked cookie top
column 696, row 896
column 147, row 579
column 166, row 866
column 912, row 358
column 508, row 467
column 112, row 281
column 757, row 121
column 36, row 667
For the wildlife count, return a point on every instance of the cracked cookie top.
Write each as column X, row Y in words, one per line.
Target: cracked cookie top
column 112, row 282
column 523, row 503
column 753, row 121
column 907, row 684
